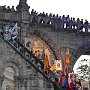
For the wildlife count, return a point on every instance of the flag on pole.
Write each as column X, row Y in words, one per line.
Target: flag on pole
column 14, row 32
column 46, row 63
column 43, row 54
column 67, row 60
column 14, row 28
column 6, row 34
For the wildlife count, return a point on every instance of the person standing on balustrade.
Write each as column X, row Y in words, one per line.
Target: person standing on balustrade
column 67, row 22
column 86, row 25
column 81, row 25
column 63, row 20
column 78, row 23
column 73, row 23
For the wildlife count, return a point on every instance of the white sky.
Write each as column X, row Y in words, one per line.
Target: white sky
column 87, row 57
column 74, row 8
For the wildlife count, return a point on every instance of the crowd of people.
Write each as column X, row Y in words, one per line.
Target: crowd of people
column 6, row 9
column 59, row 21
column 70, row 82
column 58, row 77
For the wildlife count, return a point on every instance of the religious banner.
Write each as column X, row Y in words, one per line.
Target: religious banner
column 14, row 32
column 27, row 42
column 6, row 34
column 57, row 65
column 67, row 61
column 72, row 77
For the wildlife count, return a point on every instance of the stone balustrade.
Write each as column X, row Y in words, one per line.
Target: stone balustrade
column 56, row 21
column 59, row 22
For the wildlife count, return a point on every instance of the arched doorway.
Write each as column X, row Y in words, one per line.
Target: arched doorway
column 8, row 83
column 82, row 69
column 82, row 66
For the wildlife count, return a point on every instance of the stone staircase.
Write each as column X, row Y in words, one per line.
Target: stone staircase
column 33, row 60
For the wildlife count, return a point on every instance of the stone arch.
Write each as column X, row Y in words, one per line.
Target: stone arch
column 18, row 71
column 56, row 51
column 49, row 42
column 15, row 64
column 82, row 49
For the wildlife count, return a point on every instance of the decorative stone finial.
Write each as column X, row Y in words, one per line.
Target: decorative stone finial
column 22, row 1
column 23, row 10
column 23, row 5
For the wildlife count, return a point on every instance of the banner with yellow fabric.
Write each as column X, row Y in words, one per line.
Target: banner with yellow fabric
column 67, row 60
column 46, row 63
column 57, row 66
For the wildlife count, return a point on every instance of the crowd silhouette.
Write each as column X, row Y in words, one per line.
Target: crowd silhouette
column 6, row 9
column 60, row 22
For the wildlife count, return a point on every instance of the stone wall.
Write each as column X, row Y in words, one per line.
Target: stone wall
column 78, row 43
column 25, row 77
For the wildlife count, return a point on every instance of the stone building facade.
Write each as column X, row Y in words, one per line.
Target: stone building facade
column 15, row 72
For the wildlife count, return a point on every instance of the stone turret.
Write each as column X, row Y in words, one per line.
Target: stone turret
column 23, row 15
column 23, row 10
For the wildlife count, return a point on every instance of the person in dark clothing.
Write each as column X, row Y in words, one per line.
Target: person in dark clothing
column 81, row 25
column 86, row 25
column 73, row 23
column 55, row 84
column 67, row 21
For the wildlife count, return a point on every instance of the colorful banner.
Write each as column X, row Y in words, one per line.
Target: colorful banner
column 6, row 28
column 67, row 61
column 6, row 34
column 46, row 62
column 14, row 31
column 28, row 44
column 57, row 65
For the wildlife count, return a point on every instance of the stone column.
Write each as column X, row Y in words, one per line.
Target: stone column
column 23, row 15
column 20, row 83
column 23, row 10
column 89, row 73
column 24, row 28
column 1, row 81
column 24, row 84
column 34, row 84
column 16, row 79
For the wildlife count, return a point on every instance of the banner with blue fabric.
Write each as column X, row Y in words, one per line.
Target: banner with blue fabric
column 64, row 82
column 6, row 34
